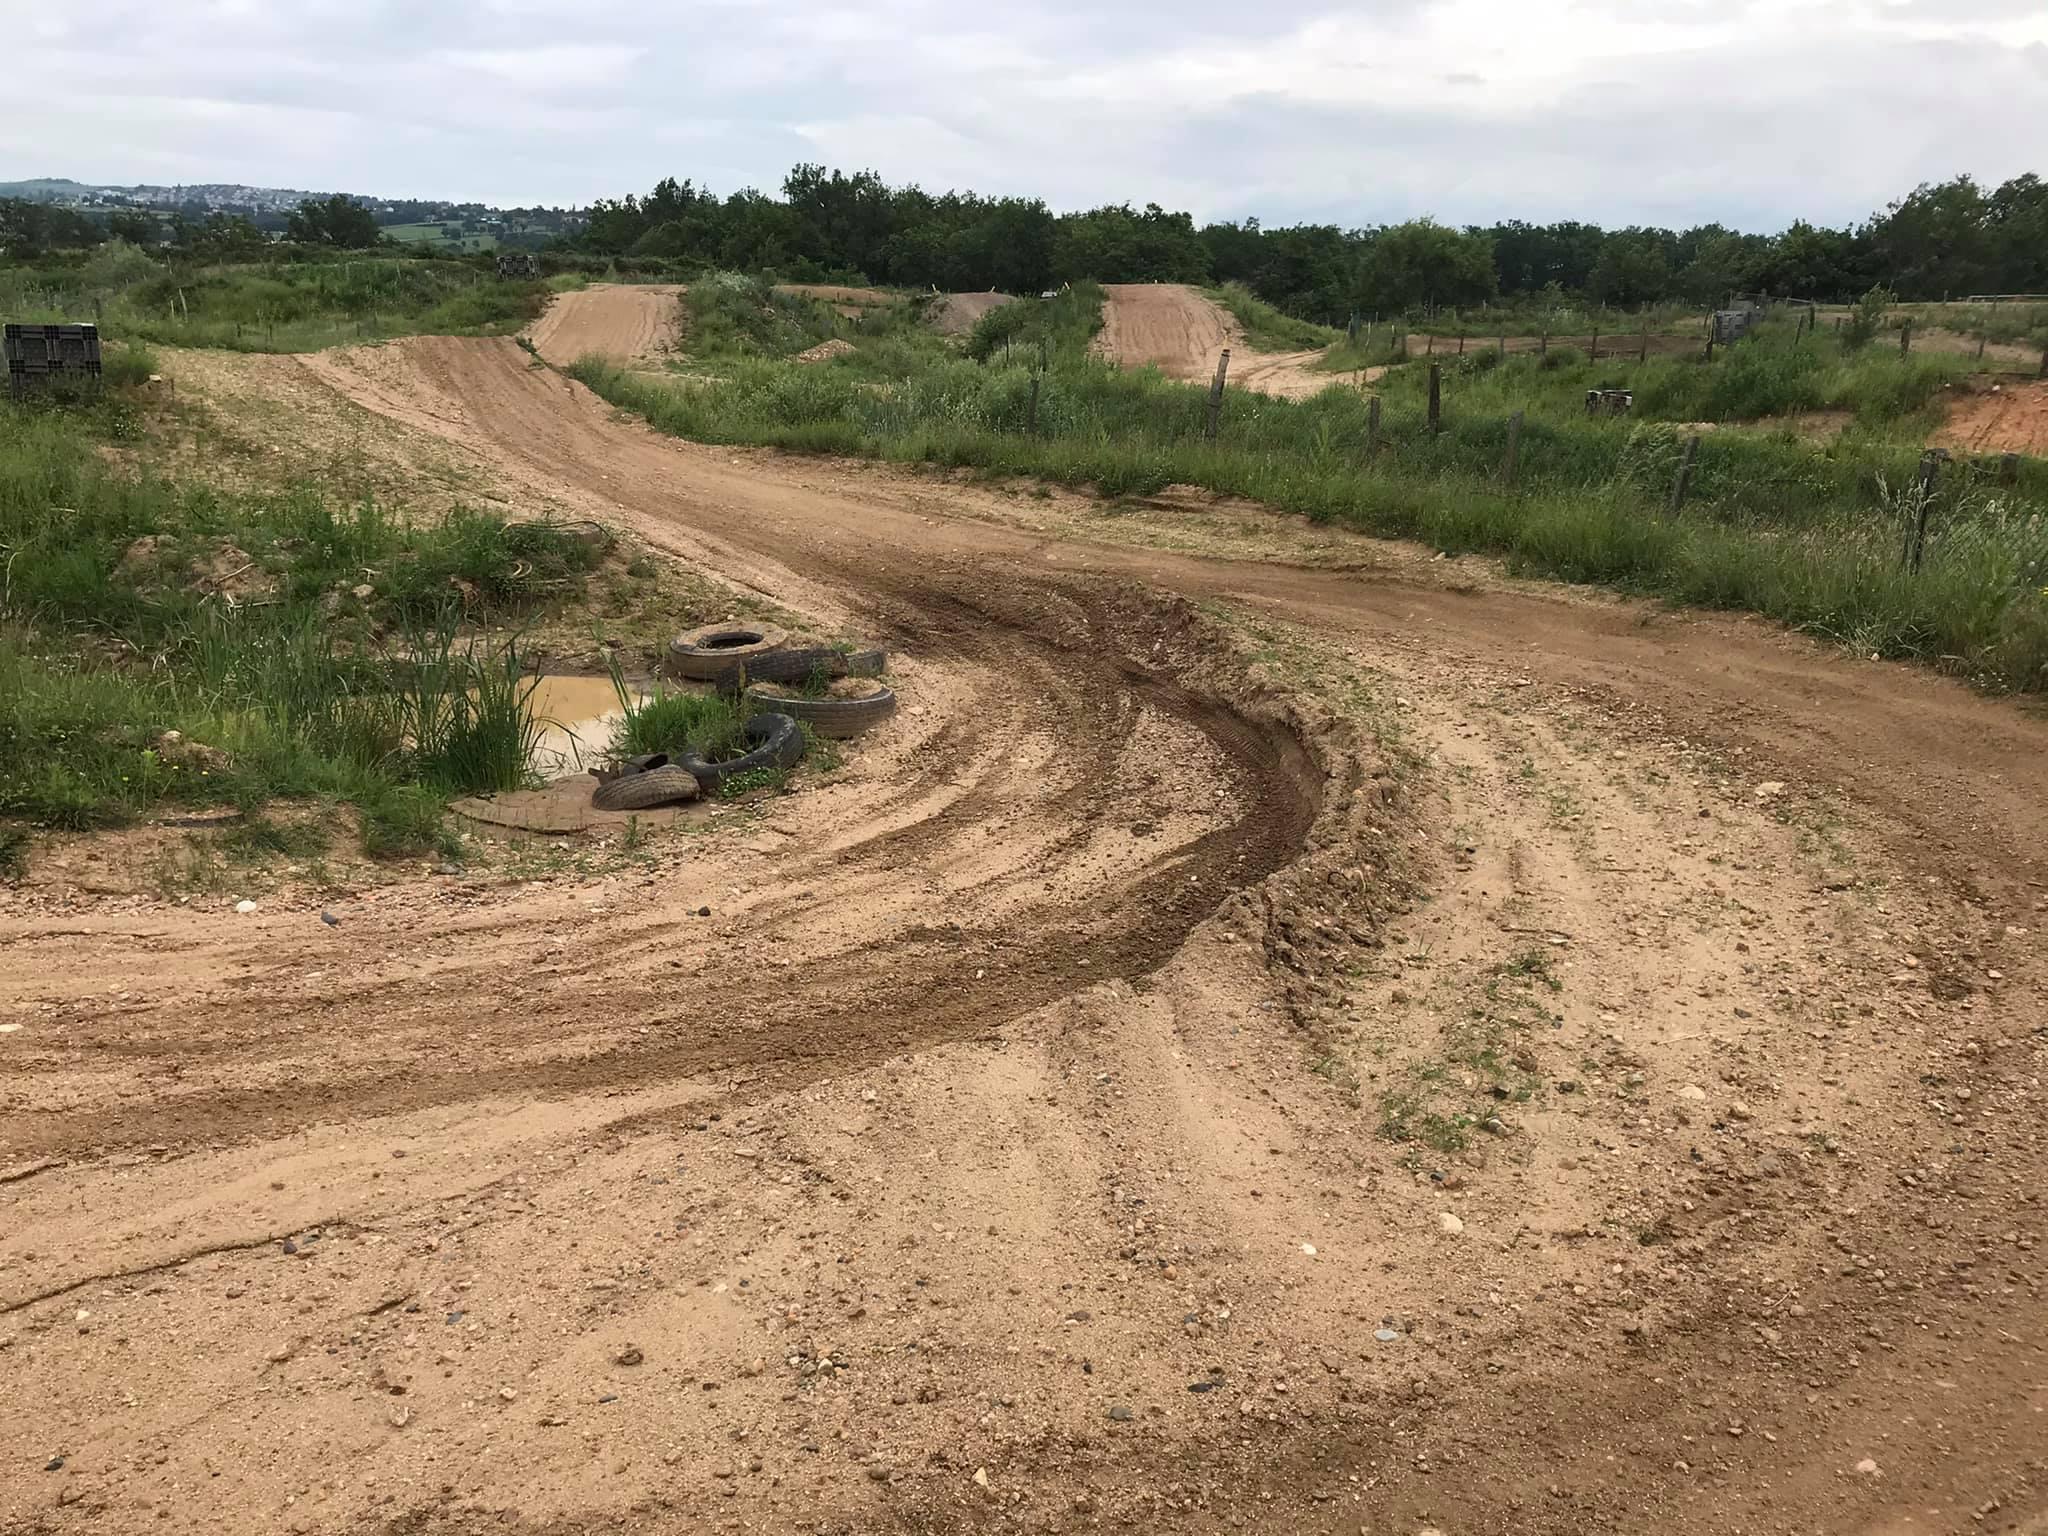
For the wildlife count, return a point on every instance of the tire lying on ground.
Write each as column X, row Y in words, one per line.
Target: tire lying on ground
column 796, row 667
column 645, row 782
column 776, row 741
column 706, row 653
column 836, row 718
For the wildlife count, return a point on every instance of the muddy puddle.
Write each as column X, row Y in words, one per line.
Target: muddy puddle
column 577, row 716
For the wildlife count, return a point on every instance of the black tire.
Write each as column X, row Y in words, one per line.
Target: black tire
column 836, row 718
column 777, row 742
column 797, row 667
column 662, row 783
column 703, row 654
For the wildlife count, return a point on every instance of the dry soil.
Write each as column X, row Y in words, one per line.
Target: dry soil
column 1278, row 1034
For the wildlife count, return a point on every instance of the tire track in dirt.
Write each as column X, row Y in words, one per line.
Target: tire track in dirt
column 1035, row 868
column 1123, row 1192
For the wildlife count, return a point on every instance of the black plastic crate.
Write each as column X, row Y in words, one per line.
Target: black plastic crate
column 38, row 354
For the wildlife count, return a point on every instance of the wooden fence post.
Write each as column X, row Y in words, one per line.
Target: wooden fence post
column 1436, row 399
column 1980, row 348
column 2044, row 363
column 1906, row 344
column 1031, row 411
column 1644, row 355
column 1461, row 343
column 1372, row 427
column 1429, row 343
column 1593, row 349
column 1512, row 457
column 1503, row 345
column 1543, row 343
column 1679, row 485
column 1216, row 394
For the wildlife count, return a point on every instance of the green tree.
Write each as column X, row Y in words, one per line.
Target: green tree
column 1633, row 269
column 339, row 221
column 1421, row 263
column 1936, row 241
column 134, row 226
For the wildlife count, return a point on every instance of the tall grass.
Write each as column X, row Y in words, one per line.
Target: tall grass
column 295, row 305
column 1266, row 329
column 1061, row 326
column 260, row 627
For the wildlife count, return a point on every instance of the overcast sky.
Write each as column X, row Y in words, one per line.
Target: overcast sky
column 1618, row 111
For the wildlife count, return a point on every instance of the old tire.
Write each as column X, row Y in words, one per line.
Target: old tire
column 836, row 718
column 663, row 783
column 706, row 653
column 797, row 666
column 777, row 742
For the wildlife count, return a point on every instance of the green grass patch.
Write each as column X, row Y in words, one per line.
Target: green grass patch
column 1266, row 329
column 172, row 645
column 296, row 305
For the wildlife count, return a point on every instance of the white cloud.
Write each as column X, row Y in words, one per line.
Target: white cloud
column 1748, row 111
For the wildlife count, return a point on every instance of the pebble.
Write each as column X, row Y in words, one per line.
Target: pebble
column 1120, row 1414
column 1309, row 1249
column 1693, row 1092
column 245, row 907
column 1450, row 1224
column 1385, row 1335
column 54, row 1464
column 981, row 1477
column 329, row 918
column 1867, row 1467
column 1738, row 1110
column 508, row 1394
column 629, row 1355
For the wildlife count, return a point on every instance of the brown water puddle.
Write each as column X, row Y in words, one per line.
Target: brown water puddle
column 577, row 716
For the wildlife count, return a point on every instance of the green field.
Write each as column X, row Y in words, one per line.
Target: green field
column 435, row 235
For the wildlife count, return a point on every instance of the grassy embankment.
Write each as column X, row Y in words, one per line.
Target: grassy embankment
column 297, row 305
column 1811, row 535
column 300, row 649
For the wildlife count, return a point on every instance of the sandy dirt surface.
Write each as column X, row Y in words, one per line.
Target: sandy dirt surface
column 956, row 313
column 627, row 322
column 1278, row 1034
column 1175, row 329
column 2010, row 416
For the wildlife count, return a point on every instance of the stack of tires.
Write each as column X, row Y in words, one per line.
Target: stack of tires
column 750, row 663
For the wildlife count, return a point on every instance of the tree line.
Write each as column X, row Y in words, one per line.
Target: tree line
column 1951, row 239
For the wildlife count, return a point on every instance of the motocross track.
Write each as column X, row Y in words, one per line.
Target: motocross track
column 1172, row 327
column 1013, row 1144
column 628, row 323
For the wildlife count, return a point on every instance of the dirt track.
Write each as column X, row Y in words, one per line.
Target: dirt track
column 627, row 323
column 1172, row 327
column 1008, row 1148
column 2008, row 417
